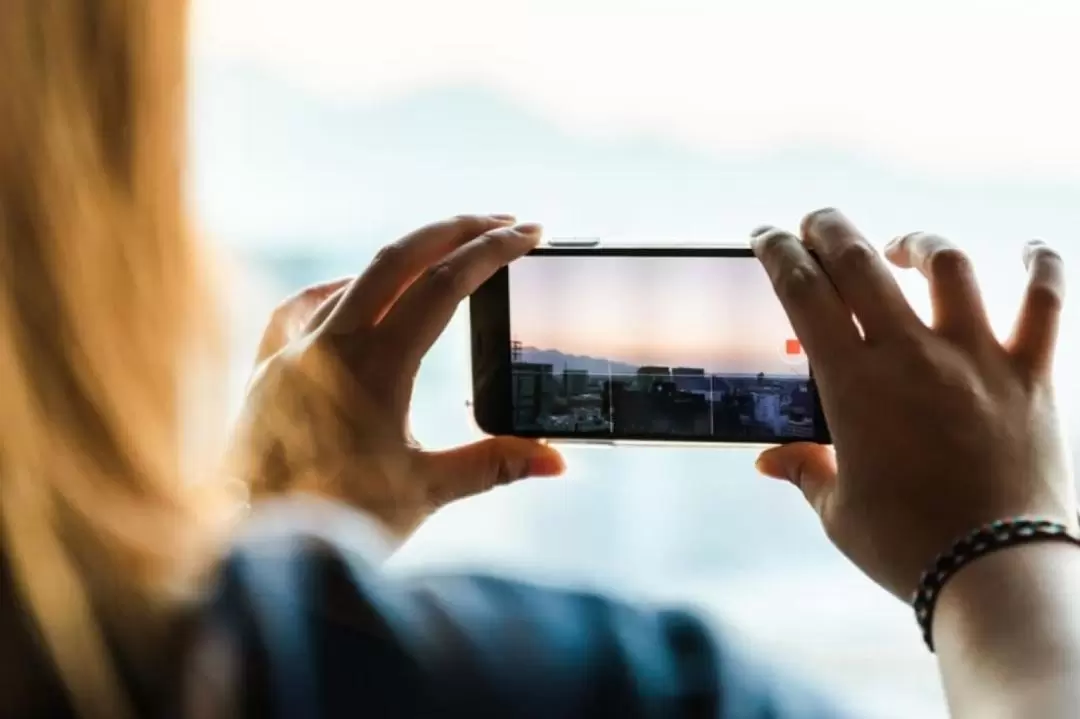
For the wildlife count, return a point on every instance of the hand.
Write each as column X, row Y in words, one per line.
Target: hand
column 327, row 407
column 937, row 430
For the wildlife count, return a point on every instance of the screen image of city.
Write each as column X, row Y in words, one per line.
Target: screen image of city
column 671, row 347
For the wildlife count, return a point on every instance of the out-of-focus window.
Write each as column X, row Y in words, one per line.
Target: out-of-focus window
column 325, row 129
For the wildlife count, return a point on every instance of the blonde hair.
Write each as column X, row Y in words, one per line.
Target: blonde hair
column 103, row 305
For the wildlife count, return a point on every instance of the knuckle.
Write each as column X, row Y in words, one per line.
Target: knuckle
column 947, row 262
column 797, row 280
column 501, row 241
column 494, row 246
column 289, row 304
column 313, row 292
column 282, row 315
column 855, row 257
column 281, row 312
column 493, row 240
column 390, row 256
column 1045, row 298
column 445, row 278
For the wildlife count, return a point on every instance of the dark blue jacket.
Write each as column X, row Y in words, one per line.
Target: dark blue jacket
column 317, row 630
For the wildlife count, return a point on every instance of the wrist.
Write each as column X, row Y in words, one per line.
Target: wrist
column 985, row 540
column 984, row 600
column 1006, row 630
column 325, row 516
column 397, row 513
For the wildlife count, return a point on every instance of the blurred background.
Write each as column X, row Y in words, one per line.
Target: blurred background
column 323, row 130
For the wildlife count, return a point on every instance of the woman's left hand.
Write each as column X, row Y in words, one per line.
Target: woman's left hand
column 327, row 407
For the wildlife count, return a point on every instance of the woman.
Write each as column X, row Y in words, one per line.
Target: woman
column 130, row 587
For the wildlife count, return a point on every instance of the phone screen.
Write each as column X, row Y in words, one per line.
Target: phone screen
column 688, row 347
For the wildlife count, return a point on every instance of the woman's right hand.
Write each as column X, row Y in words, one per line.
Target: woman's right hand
column 938, row 429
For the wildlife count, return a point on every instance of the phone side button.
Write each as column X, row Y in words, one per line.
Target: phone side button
column 574, row 241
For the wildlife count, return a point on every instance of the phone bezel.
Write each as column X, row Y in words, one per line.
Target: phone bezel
column 490, row 340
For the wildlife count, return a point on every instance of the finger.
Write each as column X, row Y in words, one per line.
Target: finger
column 860, row 274
column 810, row 467
column 292, row 315
column 821, row 321
column 475, row 468
column 954, row 292
column 1035, row 338
column 398, row 265
column 422, row 313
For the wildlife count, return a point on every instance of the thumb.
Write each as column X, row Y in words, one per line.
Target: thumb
column 477, row 467
column 810, row 467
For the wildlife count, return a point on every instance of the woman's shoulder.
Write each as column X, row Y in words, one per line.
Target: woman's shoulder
column 302, row 622
column 255, row 636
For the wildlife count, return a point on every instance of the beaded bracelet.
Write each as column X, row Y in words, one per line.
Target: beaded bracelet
column 984, row 540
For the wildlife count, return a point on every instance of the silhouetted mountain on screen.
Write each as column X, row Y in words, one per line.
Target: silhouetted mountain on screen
column 560, row 362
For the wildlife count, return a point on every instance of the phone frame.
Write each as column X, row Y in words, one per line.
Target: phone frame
column 490, row 341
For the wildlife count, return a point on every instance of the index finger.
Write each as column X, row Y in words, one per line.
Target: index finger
column 397, row 266
column 821, row 320
column 414, row 323
column 860, row 276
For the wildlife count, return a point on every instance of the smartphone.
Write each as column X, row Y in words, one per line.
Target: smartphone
column 586, row 342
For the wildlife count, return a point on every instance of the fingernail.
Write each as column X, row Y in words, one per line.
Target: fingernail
column 894, row 244
column 816, row 220
column 757, row 234
column 1029, row 250
column 545, row 465
column 528, row 228
column 503, row 218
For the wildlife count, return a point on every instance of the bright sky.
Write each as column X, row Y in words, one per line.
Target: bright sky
column 714, row 313
column 958, row 86
column 960, row 91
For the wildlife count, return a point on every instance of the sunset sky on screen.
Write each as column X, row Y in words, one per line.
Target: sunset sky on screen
column 719, row 314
